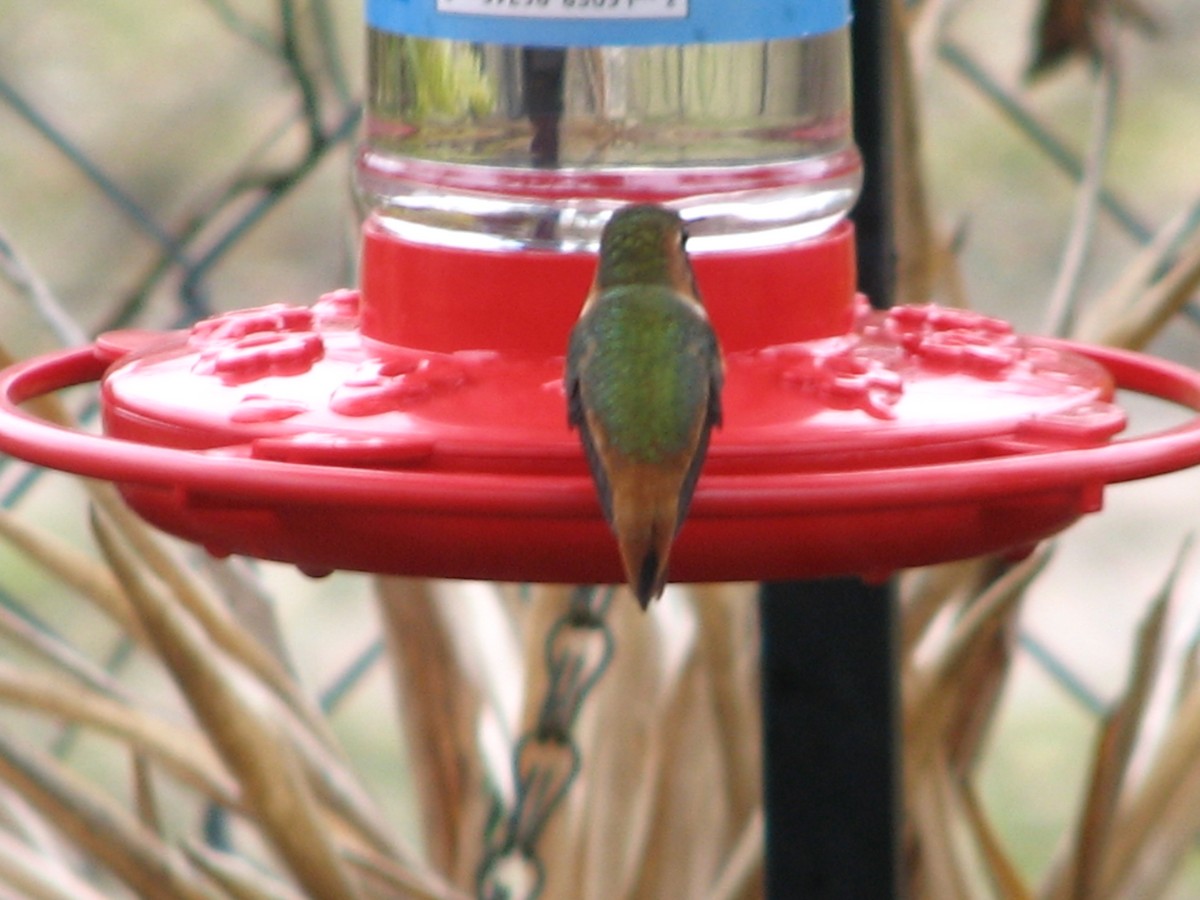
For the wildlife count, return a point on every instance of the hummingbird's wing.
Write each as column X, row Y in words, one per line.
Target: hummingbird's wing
column 704, row 347
column 579, row 352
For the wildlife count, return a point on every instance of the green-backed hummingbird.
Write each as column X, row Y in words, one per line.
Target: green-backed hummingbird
column 643, row 385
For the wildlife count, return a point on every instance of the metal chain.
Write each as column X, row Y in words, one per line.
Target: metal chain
column 546, row 759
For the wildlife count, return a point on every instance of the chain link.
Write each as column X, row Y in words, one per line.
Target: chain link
column 546, row 760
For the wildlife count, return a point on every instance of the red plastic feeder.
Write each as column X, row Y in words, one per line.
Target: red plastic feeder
column 420, row 428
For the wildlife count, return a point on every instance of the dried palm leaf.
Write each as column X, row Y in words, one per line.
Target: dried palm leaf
column 40, row 878
column 924, row 25
column 249, row 603
column 613, row 803
column 59, row 654
column 1154, row 306
column 101, row 827
column 1006, row 880
column 238, row 878
column 440, row 709
column 29, row 827
column 926, row 264
column 1064, row 296
column 237, row 716
column 201, row 603
column 182, row 751
column 1102, row 321
column 951, row 688
column 1114, row 749
column 1067, row 28
column 741, row 872
column 684, row 862
column 925, row 594
column 938, row 698
column 145, row 796
column 941, row 868
column 727, row 648
column 317, row 752
column 71, row 566
column 386, row 878
column 1157, row 816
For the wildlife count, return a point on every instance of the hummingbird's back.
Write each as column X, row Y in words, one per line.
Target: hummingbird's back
column 644, row 355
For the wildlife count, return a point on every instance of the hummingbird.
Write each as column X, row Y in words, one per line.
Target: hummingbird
column 643, row 384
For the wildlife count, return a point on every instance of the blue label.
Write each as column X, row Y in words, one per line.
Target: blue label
column 590, row 23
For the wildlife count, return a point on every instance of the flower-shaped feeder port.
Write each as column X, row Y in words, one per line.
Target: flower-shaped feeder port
column 420, row 428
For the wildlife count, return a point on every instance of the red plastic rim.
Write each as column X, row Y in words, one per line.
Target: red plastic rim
column 28, row 437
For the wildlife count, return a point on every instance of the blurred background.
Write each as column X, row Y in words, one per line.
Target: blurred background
column 161, row 162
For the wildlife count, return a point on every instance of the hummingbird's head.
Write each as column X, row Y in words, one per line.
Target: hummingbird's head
column 644, row 244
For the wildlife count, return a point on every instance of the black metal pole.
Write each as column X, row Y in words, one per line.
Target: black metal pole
column 871, row 41
column 830, row 768
column 830, row 693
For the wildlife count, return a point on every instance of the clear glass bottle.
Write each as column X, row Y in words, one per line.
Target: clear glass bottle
column 497, row 124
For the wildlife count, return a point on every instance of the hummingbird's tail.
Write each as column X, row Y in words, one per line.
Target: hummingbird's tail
column 651, row 579
column 645, row 519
